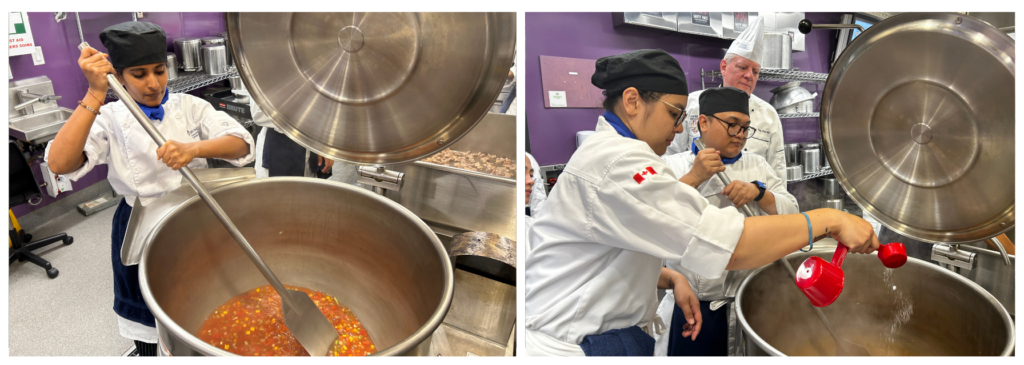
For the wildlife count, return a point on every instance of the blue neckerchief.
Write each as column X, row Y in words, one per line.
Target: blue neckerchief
column 727, row 161
column 617, row 123
column 155, row 113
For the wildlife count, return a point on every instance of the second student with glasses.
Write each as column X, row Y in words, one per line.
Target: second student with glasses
column 724, row 126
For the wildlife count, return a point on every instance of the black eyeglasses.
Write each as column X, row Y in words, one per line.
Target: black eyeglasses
column 735, row 129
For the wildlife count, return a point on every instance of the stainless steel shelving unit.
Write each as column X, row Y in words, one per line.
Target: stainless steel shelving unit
column 776, row 75
column 188, row 81
column 799, row 115
column 788, row 75
column 772, row 75
column 823, row 172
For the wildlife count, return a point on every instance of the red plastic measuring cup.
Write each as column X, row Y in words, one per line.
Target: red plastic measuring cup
column 822, row 281
column 893, row 255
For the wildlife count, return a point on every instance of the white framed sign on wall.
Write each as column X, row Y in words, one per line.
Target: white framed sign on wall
column 19, row 35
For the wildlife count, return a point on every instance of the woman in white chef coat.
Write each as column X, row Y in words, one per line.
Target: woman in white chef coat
column 528, row 189
column 725, row 126
column 537, row 193
column 109, row 134
column 619, row 212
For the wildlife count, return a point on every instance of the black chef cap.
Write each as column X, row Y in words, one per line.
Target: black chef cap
column 646, row 69
column 724, row 99
column 135, row 43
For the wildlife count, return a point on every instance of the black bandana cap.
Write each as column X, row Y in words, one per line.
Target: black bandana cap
column 135, row 43
column 646, row 69
column 724, row 99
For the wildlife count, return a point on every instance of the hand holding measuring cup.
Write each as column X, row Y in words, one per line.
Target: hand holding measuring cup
column 855, row 233
column 822, row 282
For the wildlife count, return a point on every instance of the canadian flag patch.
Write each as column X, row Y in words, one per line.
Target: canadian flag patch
column 639, row 177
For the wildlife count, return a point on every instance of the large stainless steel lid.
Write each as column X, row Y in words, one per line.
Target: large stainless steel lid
column 373, row 88
column 917, row 119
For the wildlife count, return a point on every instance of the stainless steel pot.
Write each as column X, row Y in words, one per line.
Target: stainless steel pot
column 833, row 203
column 993, row 275
column 789, row 94
column 227, row 42
column 236, row 83
column 792, row 150
column 917, row 309
column 374, row 255
column 810, row 160
column 794, row 172
column 917, row 117
column 172, row 66
column 187, row 51
column 215, row 59
column 777, row 52
column 830, row 187
column 212, row 40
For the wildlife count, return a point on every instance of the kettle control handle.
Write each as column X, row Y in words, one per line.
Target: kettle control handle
column 806, row 26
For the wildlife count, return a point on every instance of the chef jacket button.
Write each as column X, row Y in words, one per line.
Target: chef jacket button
column 136, row 170
column 125, row 125
column 177, row 115
column 224, row 124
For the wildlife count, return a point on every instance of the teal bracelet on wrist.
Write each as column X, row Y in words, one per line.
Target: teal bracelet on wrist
column 810, row 233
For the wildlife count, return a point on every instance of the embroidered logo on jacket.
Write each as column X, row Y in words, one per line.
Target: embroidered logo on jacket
column 639, row 177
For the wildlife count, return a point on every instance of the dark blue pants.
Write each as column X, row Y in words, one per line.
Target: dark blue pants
column 128, row 302
column 630, row 341
column 713, row 339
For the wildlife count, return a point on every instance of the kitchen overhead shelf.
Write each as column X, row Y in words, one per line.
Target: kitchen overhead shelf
column 788, row 75
column 799, row 115
column 773, row 75
column 824, row 172
column 188, row 81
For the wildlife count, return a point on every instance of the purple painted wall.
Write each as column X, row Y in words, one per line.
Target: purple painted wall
column 591, row 36
column 60, row 50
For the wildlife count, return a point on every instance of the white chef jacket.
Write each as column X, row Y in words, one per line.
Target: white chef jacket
column 527, row 224
column 599, row 242
column 767, row 142
column 538, row 195
column 748, row 168
column 118, row 140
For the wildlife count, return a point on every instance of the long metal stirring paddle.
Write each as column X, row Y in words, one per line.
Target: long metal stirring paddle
column 315, row 333
column 843, row 347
